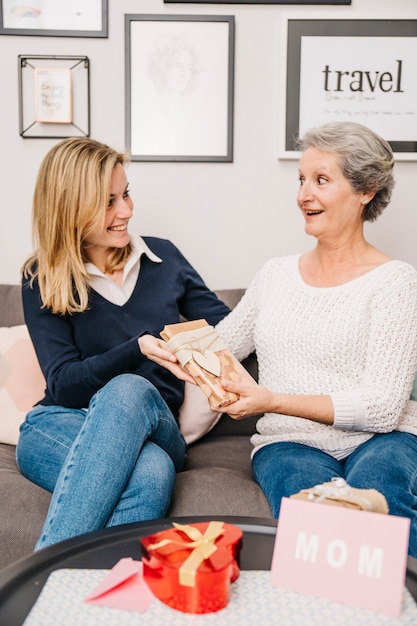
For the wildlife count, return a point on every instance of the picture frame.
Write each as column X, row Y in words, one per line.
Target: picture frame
column 54, row 96
column 179, row 87
column 298, row 2
column 55, row 18
column 351, row 68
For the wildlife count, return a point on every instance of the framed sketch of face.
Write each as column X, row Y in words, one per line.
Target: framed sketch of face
column 179, row 87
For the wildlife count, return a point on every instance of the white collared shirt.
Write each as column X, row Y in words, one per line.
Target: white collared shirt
column 106, row 287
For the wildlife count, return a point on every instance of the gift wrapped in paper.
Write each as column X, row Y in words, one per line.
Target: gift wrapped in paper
column 190, row 567
column 339, row 493
column 204, row 356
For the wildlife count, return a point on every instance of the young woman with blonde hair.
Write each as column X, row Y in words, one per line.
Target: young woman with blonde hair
column 104, row 438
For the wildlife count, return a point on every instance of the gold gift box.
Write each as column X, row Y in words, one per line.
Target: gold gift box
column 337, row 492
column 204, row 356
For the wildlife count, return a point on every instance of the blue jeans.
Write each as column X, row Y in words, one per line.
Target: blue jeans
column 386, row 462
column 112, row 464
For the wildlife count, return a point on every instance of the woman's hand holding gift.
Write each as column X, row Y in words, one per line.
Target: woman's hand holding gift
column 253, row 399
column 157, row 350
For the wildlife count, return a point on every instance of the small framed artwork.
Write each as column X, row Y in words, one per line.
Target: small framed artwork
column 55, row 18
column 179, row 87
column 310, row 2
column 54, row 96
column 361, row 70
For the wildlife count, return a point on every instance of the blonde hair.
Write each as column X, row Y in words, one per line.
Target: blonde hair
column 70, row 199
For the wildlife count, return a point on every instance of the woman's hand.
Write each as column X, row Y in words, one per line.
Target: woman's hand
column 157, row 350
column 253, row 399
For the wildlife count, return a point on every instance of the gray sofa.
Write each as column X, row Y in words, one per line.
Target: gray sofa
column 217, row 479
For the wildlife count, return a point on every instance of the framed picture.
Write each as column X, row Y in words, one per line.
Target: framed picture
column 53, row 101
column 63, row 18
column 179, row 87
column 54, row 96
column 315, row 2
column 361, row 70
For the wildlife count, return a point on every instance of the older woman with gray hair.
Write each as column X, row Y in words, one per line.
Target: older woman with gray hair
column 335, row 332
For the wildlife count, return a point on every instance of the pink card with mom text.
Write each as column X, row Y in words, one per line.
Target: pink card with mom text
column 341, row 554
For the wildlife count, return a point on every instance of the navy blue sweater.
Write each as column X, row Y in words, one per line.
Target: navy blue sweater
column 80, row 353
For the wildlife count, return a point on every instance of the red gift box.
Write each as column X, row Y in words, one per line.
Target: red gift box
column 190, row 567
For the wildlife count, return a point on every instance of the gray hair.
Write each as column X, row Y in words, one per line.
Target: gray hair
column 366, row 160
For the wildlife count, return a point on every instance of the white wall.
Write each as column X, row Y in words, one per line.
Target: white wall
column 227, row 218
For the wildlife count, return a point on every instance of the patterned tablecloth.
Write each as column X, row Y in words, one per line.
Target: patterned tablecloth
column 252, row 601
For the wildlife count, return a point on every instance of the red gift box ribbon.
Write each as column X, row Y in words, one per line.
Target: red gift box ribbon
column 203, row 545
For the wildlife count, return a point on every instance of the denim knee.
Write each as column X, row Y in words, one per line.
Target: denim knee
column 387, row 463
column 134, row 405
column 148, row 492
column 128, row 396
column 127, row 388
column 284, row 468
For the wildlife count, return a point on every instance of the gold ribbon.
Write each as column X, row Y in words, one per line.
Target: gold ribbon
column 203, row 544
column 200, row 344
column 338, row 489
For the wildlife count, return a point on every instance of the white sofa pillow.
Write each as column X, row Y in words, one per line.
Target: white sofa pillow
column 195, row 416
column 22, row 383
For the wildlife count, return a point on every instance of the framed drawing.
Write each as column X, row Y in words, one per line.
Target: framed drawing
column 310, row 2
column 53, row 101
column 54, row 96
column 179, row 87
column 62, row 18
column 349, row 69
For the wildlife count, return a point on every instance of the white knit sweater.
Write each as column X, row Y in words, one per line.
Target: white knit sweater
column 356, row 343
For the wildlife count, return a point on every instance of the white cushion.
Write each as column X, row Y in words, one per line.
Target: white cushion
column 22, row 383
column 195, row 417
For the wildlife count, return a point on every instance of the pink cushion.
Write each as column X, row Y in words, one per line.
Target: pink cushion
column 21, row 380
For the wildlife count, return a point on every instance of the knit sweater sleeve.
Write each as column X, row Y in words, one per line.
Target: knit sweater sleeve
column 390, row 362
column 237, row 328
column 369, row 371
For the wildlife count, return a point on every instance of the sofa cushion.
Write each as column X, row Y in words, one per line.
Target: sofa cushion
column 217, row 480
column 220, row 491
column 21, row 380
column 11, row 308
column 22, row 512
column 195, row 417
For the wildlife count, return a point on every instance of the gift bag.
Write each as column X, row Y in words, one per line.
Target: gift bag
column 204, row 356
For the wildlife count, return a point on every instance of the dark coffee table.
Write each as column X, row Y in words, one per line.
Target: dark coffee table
column 22, row 582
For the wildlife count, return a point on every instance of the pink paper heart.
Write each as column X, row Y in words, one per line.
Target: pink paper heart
column 123, row 588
